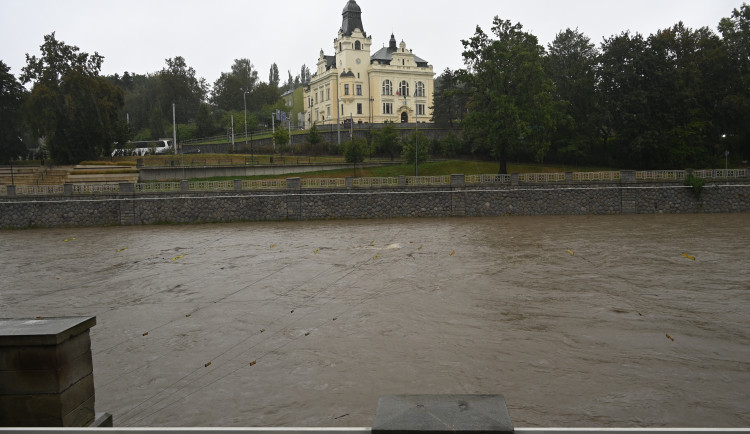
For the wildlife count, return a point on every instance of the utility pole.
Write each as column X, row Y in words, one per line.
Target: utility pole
column 273, row 131
column 338, row 119
column 244, row 103
column 232, row 117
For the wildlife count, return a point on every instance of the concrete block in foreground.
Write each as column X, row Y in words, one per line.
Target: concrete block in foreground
column 441, row 414
column 46, row 372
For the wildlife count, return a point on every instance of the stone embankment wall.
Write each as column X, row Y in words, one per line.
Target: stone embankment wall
column 295, row 203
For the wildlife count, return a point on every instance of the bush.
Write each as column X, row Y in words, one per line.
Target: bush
column 696, row 183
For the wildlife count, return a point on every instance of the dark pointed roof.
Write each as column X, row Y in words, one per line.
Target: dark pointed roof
column 352, row 18
column 385, row 54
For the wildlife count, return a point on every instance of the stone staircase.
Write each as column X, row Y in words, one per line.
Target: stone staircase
column 58, row 175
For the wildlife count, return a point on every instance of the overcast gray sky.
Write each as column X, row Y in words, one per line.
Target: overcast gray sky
column 137, row 35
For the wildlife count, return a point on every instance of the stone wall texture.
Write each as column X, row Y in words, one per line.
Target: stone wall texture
column 349, row 203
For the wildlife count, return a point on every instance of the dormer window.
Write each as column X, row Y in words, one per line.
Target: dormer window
column 357, row 45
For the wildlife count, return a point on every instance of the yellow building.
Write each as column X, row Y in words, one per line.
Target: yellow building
column 393, row 84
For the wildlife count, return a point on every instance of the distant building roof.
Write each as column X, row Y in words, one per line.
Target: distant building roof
column 385, row 54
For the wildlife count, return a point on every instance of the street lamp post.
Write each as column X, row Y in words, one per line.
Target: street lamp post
column 244, row 102
column 726, row 155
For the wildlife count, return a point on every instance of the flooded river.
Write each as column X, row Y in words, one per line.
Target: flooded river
column 586, row 321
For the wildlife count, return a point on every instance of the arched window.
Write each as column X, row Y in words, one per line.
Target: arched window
column 357, row 45
column 387, row 87
column 404, row 88
column 420, row 89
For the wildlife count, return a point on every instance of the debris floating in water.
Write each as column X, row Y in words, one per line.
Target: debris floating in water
column 571, row 252
column 262, row 330
column 420, row 247
column 120, row 250
column 292, row 311
column 452, row 253
column 376, row 256
column 692, row 258
column 273, row 245
column 188, row 315
column 253, row 362
column 207, row 365
column 316, row 251
column 343, row 415
column 307, row 333
column 670, row 337
column 178, row 257
column 145, row 334
column 69, row 239
column 335, row 318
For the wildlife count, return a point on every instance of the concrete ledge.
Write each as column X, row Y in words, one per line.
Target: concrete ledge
column 441, row 414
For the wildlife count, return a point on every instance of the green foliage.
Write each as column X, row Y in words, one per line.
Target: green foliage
column 450, row 99
column 696, row 183
column 70, row 105
column 511, row 111
column 11, row 116
column 234, row 90
column 413, row 150
column 385, row 141
column 281, row 139
column 355, row 150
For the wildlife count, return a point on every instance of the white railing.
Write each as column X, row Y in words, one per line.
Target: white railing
column 323, row 182
column 211, row 185
column 596, row 176
column 157, row 187
column 39, row 190
column 541, row 177
column 428, row 180
column 487, row 179
column 721, row 173
column 271, row 184
column 96, row 188
column 375, row 182
column 660, row 175
column 264, row 184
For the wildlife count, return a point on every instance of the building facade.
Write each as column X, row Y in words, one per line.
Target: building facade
column 393, row 84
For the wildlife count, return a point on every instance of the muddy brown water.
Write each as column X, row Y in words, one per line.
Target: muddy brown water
column 589, row 321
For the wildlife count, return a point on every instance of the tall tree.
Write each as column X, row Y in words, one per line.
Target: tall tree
column 75, row 109
column 735, row 31
column 511, row 111
column 273, row 76
column 571, row 65
column 450, row 99
column 11, row 115
column 229, row 89
column 179, row 85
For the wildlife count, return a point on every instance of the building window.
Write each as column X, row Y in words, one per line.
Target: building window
column 387, row 87
column 420, row 109
column 359, row 89
column 328, row 111
column 316, row 97
column 321, row 95
column 357, row 45
column 359, row 108
column 346, row 89
column 420, row 89
column 387, row 108
column 328, row 93
column 404, row 88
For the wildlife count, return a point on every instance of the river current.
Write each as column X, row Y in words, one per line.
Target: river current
column 579, row 321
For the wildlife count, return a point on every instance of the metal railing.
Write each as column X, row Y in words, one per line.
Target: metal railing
column 374, row 182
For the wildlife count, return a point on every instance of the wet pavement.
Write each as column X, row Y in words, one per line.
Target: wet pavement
column 580, row 321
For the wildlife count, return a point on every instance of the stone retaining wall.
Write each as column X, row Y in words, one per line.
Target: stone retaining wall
column 344, row 203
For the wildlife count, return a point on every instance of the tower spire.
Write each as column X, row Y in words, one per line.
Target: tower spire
column 352, row 15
